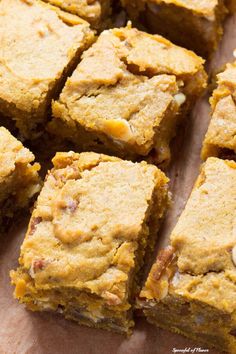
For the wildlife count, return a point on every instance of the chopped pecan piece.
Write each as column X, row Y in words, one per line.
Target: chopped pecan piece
column 111, row 299
column 33, row 224
column 39, row 264
column 164, row 257
column 36, row 265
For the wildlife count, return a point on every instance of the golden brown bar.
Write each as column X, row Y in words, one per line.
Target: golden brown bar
column 191, row 289
column 194, row 24
column 96, row 12
column 128, row 94
column 40, row 47
column 220, row 137
column 19, row 179
column 87, row 237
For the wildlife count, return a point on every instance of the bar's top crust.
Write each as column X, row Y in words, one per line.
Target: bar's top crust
column 89, row 10
column 12, row 153
column 127, row 70
column 222, row 128
column 37, row 43
column 206, row 231
column 200, row 7
column 87, row 223
column 200, row 264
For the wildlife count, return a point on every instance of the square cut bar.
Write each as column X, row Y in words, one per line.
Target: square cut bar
column 87, row 238
column 193, row 24
column 96, row 12
column 19, row 179
column 220, row 139
column 128, row 94
column 40, row 46
column 191, row 289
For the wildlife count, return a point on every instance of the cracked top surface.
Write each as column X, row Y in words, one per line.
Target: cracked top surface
column 87, row 222
column 37, row 43
column 90, row 10
column 201, row 7
column 222, row 127
column 200, row 264
column 125, row 84
column 12, row 153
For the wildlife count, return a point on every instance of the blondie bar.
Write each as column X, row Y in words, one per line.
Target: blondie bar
column 193, row 24
column 128, row 94
column 40, row 46
column 220, row 139
column 87, row 238
column 191, row 289
column 96, row 12
column 19, row 179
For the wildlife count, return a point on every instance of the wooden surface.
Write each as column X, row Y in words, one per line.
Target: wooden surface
column 23, row 332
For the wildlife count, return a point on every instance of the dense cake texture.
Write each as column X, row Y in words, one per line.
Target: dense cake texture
column 128, row 94
column 191, row 289
column 40, row 46
column 220, row 139
column 193, row 24
column 96, row 12
column 19, row 179
column 87, row 238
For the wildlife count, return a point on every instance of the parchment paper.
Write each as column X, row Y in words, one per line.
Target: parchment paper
column 24, row 332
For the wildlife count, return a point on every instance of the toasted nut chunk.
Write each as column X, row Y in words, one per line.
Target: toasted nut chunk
column 111, row 299
column 165, row 256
